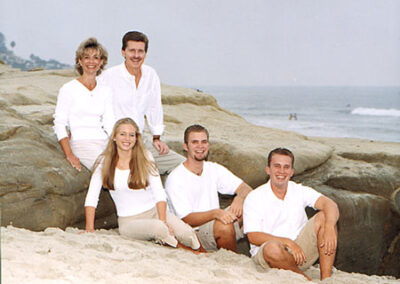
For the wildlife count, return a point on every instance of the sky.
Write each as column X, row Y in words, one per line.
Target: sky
column 223, row 42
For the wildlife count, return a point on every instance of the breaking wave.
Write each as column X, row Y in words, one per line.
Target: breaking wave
column 376, row 111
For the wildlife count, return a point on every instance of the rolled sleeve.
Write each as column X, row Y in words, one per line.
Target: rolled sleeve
column 154, row 114
column 61, row 115
column 157, row 188
column 92, row 196
column 108, row 116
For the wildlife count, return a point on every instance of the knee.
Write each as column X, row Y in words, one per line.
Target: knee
column 223, row 230
column 274, row 250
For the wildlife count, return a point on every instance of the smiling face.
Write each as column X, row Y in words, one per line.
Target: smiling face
column 197, row 146
column 90, row 61
column 134, row 54
column 125, row 137
column 280, row 171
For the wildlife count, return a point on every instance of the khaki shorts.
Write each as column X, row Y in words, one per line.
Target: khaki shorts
column 205, row 234
column 307, row 240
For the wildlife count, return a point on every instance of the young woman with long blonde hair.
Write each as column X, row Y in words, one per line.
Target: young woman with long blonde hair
column 127, row 170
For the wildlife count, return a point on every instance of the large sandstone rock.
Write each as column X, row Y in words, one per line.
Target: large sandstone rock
column 38, row 188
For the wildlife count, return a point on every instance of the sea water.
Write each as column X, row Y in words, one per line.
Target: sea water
column 371, row 113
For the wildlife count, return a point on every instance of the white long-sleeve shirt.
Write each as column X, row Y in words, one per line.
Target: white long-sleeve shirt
column 87, row 114
column 129, row 202
column 136, row 103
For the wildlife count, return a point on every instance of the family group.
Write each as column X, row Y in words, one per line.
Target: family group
column 99, row 122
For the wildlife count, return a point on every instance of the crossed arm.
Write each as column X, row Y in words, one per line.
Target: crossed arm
column 235, row 211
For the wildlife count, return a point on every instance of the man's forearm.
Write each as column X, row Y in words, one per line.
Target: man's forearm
column 199, row 218
column 243, row 190
column 330, row 209
column 258, row 238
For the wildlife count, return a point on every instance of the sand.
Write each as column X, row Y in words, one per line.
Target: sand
column 70, row 256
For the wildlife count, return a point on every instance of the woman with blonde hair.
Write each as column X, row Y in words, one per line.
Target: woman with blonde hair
column 84, row 116
column 126, row 168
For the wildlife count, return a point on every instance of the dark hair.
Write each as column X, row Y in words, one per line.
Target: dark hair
column 90, row 43
column 280, row 151
column 194, row 128
column 135, row 36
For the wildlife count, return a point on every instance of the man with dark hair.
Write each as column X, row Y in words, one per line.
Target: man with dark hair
column 137, row 94
column 193, row 189
column 276, row 224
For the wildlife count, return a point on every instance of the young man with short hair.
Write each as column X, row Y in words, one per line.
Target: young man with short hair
column 193, row 189
column 276, row 224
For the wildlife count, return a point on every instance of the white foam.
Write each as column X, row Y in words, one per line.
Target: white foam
column 376, row 111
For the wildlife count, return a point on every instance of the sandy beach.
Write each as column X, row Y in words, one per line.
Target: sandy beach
column 57, row 256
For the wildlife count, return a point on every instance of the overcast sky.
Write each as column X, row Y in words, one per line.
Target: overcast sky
column 223, row 42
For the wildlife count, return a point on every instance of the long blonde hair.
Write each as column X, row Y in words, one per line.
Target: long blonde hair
column 140, row 164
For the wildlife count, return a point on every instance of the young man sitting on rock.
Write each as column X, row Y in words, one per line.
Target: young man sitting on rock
column 276, row 223
column 193, row 188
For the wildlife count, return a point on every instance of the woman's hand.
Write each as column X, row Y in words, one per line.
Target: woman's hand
column 74, row 161
column 170, row 230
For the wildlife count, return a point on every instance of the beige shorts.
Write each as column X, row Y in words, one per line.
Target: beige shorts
column 307, row 240
column 205, row 233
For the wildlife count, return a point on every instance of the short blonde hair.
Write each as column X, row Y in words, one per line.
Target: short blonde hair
column 90, row 43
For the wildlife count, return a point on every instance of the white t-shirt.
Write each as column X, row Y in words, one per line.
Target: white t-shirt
column 264, row 212
column 87, row 114
column 129, row 202
column 190, row 193
column 133, row 102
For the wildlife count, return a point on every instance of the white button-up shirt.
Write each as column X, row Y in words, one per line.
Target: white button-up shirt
column 136, row 103
column 87, row 114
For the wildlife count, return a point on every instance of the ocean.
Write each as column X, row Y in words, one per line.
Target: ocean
column 371, row 113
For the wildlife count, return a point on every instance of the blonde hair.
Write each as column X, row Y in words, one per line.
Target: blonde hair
column 90, row 43
column 140, row 164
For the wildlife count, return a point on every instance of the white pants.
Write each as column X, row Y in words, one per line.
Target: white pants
column 146, row 226
column 88, row 150
column 165, row 163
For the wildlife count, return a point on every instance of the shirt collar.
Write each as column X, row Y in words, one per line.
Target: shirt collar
column 271, row 193
column 128, row 75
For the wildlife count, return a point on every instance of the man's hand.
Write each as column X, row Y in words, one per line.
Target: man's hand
column 74, row 161
column 226, row 217
column 296, row 250
column 161, row 147
column 329, row 241
column 237, row 206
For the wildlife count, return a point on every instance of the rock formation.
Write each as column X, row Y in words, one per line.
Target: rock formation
column 39, row 189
